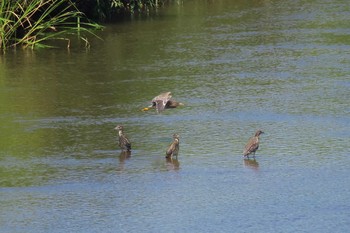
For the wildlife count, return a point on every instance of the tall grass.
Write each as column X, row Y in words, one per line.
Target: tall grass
column 30, row 23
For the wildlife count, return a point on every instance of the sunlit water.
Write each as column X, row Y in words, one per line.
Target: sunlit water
column 279, row 66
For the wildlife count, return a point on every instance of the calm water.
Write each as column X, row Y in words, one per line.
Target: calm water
column 239, row 66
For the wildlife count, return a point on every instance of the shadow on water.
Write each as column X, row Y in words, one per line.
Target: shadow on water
column 251, row 163
column 172, row 164
column 123, row 156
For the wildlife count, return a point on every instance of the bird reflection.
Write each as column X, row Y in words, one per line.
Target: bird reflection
column 251, row 163
column 124, row 155
column 172, row 164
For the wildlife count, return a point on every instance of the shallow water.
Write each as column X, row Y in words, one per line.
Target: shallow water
column 282, row 67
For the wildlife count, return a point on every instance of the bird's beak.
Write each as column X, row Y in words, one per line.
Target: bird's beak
column 146, row 108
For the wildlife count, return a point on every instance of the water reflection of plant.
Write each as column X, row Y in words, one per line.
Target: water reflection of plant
column 110, row 10
column 136, row 5
column 31, row 23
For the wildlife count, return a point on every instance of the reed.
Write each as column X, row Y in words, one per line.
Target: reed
column 32, row 23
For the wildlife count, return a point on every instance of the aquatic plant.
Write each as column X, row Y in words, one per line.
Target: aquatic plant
column 31, row 23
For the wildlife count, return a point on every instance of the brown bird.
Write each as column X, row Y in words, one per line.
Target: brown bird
column 252, row 145
column 173, row 148
column 124, row 142
column 163, row 101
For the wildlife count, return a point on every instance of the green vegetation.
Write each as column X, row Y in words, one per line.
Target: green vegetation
column 31, row 23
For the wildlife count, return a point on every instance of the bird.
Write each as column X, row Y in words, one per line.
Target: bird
column 173, row 148
column 124, row 142
column 252, row 145
column 163, row 101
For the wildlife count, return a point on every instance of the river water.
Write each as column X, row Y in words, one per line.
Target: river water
column 238, row 66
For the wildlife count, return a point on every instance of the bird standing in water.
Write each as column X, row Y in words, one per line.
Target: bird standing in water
column 252, row 145
column 173, row 149
column 163, row 101
column 124, row 142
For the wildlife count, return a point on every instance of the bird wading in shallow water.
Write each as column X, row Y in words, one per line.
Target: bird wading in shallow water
column 163, row 101
column 252, row 145
column 124, row 142
column 173, row 149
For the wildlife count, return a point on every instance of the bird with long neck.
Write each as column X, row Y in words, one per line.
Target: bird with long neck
column 173, row 149
column 252, row 145
column 124, row 142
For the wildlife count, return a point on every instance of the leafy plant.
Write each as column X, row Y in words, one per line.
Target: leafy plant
column 31, row 23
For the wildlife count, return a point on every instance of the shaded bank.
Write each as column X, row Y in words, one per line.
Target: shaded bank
column 114, row 10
